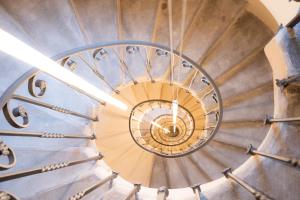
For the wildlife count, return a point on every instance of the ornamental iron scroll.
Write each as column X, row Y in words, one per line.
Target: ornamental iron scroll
column 20, row 111
column 11, row 116
column 41, row 84
column 69, row 63
column 8, row 152
column 100, row 54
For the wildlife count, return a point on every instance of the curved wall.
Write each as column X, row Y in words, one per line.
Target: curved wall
column 273, row 13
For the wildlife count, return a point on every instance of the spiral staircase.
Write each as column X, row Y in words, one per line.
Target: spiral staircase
column 235, row 79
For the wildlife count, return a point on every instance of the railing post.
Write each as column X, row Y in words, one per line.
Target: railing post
column 197, row 191
column 134, row 191
column 162, row 193
column 270, row 120
column 290, row 161
column 47, row 168
column 258, row 195
column 88, row 190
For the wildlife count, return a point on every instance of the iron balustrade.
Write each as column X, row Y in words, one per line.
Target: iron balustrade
column 20, row 111
column 47, row 168
column 270, row 120
column 257, row 194
column 53, row 107
column 45, row 135
column 90, row 189
column 99, row 75
column 66, row 60
column 290, row 161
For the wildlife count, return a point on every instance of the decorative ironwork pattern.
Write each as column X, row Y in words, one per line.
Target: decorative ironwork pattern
column 6, row 151
column 45, row 169
column 20, row 111
column 81, row 194
column 54, row 166
column 52, row 135
column 11, row 116
column 41, row 84
column 3, row 149
column 77, row 196
column 258, row 195
column 52, row 107
column 37, row 88
column 45, row 135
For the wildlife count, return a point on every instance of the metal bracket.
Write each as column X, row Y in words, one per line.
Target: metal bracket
column 287, row 81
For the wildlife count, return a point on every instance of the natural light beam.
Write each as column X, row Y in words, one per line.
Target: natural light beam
column 18, row 49
column 175, row 112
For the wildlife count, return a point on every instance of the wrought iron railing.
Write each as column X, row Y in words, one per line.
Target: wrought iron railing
column 257, row 194
column 125, row 57
column 90, row 189
column 144, row 133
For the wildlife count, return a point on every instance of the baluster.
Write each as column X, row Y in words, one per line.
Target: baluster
column 270, row 120
column 287, row 81
column 133, row 192
column 124, row 66
column 207, row 93
column 47, row 168
column 52, row 107
column 45, row 135
column 148, row 65
column 258, row 195
column 162, row 193
column 97, row 73
column 197, row 191
column 88, row 190
column 290, row 161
